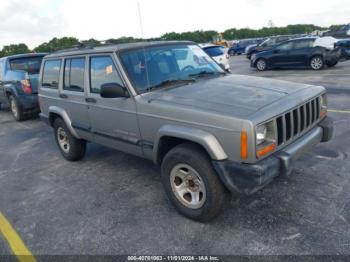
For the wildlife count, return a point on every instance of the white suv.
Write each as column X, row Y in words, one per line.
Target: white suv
column 218, row 53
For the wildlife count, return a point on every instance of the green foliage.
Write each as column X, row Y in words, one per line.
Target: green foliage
column 234, row 33
column 57, row 44
column 14, row 49
column 196, row 36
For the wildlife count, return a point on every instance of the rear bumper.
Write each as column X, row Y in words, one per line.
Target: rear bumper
column 249, row 178
column 29, row 103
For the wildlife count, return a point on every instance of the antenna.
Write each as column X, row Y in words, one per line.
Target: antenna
column 143, row 48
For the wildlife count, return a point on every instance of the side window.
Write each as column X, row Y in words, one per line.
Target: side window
column 286, row 46
column 102, row 71
column 74, row 71
column 51, row 74
column 303, row 44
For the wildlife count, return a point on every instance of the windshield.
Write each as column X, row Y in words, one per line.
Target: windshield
column 170, row 64
column 31, row 65
column 214, row 50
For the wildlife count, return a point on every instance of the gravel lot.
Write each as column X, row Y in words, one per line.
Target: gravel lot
column 113, row 203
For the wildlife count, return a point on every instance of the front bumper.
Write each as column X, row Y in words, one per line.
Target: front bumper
column 249, row 178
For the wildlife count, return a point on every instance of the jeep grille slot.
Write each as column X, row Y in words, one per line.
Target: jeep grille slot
column 297, row 121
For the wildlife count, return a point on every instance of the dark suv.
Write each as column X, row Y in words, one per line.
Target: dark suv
column 268, row 44
column 19, row 84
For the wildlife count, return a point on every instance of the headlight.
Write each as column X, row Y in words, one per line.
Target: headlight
column 265, row 138
column 323, row 105
column 348, row 32
column 261, row 134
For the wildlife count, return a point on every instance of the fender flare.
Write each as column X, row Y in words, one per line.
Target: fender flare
column 203, row 138
column 63, row 114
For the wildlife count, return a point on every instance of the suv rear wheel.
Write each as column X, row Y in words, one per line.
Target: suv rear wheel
column 15, row 109
column 72, row 149
column 317, row 63
column 191, row 183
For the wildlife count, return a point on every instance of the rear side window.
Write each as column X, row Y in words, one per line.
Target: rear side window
column 214, row 51
column 102, row 71
column 303, row 44
column 31, row 65
column 51, row 74
column 74, row 71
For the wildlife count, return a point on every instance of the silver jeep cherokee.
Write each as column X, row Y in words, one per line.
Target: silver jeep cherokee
column 169, row 102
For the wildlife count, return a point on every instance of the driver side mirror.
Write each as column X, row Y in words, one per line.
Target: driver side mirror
column 113, row 90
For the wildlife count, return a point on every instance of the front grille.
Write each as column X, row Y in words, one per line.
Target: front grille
column 295, row 122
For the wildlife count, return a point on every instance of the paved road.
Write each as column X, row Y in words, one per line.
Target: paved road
column 113, row 203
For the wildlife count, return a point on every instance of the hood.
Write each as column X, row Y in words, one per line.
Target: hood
column 235, row 95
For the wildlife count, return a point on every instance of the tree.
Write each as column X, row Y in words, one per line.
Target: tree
column 57, row 44
column 14, row 49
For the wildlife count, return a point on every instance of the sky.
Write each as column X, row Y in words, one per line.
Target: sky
column 36, row 21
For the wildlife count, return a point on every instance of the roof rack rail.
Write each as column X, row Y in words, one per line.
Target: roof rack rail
column 74, row 48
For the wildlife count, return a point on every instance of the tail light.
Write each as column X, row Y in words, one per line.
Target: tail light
column 26, row 87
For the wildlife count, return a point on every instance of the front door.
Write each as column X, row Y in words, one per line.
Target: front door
column 113, row 120
column 280, row 55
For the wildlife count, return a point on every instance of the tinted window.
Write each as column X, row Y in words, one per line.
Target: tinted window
column 74, row 70
column 214, row 50
column 102, row 71
column 29, row 64
column 51, row 74
column 303, row 44
column 286, row 46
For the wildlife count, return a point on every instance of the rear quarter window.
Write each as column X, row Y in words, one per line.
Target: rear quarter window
column 51, row 74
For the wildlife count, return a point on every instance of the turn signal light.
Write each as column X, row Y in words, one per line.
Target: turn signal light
column 265, row 150
column 244, row 145
column 323, row 113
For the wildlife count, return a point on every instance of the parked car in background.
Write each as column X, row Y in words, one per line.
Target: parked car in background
column 239, row 47
column 211, row 132
column 344, row 46
column 268, row 44
column 299, row 52
column 219, row 54
column 19, row 84
column 343, row 32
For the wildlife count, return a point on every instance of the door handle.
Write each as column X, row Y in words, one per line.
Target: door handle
column 90, row 100
column 63, row 96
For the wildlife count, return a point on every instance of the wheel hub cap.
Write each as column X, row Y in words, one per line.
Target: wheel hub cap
column 188, row 186
column 63, row 140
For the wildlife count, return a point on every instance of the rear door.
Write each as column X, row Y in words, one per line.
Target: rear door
column 113, row 120
column 73, row 95
column 301, row 52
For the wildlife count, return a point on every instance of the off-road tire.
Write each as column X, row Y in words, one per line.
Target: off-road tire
column 77, row 147
column 194, row 156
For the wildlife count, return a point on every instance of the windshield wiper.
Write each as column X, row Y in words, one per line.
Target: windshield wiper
column 206, row 73
column 171, row 82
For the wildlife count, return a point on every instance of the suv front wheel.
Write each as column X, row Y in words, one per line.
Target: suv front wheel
column 191, row 183
column 72, row 149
